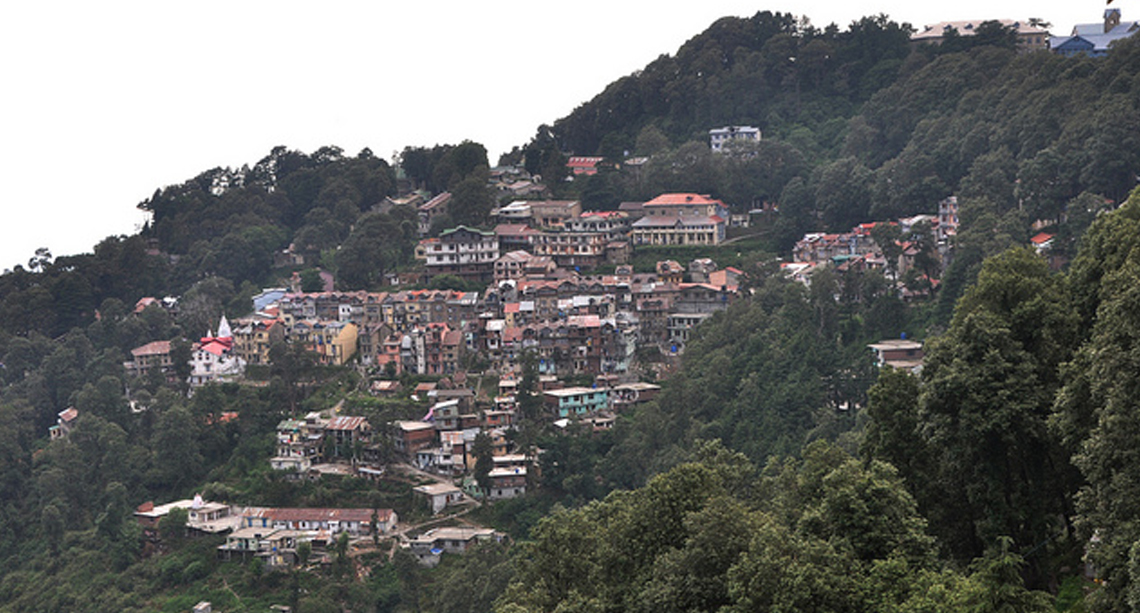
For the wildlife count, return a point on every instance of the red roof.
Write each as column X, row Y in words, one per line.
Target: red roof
column 511, row 307
column 215, row 346
column 1041, row 238
column 583, row 162
column 584, row 321
column 224, row 418
column 675, row 199
column 143, row 303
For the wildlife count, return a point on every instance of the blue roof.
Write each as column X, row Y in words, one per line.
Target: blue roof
column 1090, row 38
column 267, row 298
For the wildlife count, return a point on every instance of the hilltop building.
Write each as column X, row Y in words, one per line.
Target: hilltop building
column 1030, row 37
column 719, row 137
column 681, row 219
column 1094, row 39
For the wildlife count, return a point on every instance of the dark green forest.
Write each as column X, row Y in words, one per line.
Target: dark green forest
column 777, row 471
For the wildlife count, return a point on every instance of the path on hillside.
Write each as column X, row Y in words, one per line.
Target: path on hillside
column 744, row 236
column 399, row 534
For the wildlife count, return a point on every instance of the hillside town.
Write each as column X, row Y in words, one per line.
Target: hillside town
column 549, row 314
column 584, row 346
column 727, row 350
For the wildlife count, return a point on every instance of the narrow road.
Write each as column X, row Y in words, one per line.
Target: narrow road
column 399, row 534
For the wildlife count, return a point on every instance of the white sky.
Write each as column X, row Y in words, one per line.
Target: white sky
column 102, row 102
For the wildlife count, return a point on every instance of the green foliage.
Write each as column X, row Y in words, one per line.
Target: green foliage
column 311, row 280
column 472, row 582
column 378, row 243
column 765, row 376
column 1096, row 415
column 997, row 585
column 481, row 450
column 471, row 201
column 172, row 526
column 1033, row 378
column 713, row 535
column 988, row 390
column 452, row 282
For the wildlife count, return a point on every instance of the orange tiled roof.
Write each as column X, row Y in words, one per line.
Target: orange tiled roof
column 674, row 199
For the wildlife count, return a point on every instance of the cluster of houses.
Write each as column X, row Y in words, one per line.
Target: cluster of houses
column 537, row 297
column 443, row 440
column 1091, row 39
column 857, row 250
column 267, row 533
column 215, row 357
column 562, row 235
column 576, row 324
column 273, row 534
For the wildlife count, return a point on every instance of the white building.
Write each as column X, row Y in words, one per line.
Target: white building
column 718, row 137
column 214, row 358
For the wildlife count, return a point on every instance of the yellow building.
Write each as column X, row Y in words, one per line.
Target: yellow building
column 333, row 341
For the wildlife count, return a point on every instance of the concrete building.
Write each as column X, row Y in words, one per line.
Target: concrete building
column 465, row 252
column 719, row 137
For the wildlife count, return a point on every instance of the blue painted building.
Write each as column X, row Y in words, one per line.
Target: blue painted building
column 1094, row 39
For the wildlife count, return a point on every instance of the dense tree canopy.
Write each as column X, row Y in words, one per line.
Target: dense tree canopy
column 832, row 487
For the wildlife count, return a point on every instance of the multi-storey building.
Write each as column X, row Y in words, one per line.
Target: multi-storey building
column 149, row 357
column 681, row 219
column 334, row 342
column 464, row 252
column 719, row 137
column 694, row 303
column 553, row 213
column 300, row 443
column 430, row 211
column 576, row 401
column 254, row 336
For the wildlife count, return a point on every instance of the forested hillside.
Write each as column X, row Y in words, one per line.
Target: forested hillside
column 1005, row 465
column 778, row 470
column 860, row 126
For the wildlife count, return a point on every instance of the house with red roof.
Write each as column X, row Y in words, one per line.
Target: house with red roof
column 64, row 424
column 681, row 219
column 144, row 302
column 727, row 278
column 1042, row 242
column 584, row 165
column 514, row 237
column 214, row 358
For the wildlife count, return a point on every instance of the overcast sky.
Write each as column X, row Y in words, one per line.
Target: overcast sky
column 105, row 102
